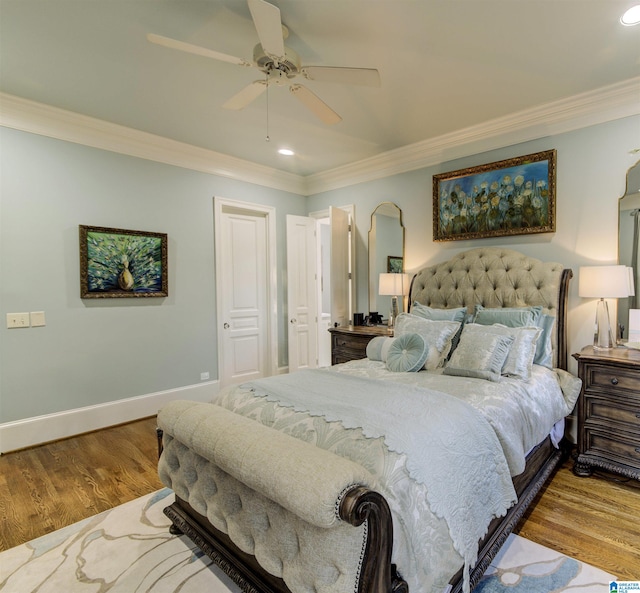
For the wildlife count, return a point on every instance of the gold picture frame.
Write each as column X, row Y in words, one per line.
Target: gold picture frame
column 515, row 196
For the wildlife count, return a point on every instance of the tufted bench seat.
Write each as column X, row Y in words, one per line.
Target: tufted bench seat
column 276, row 497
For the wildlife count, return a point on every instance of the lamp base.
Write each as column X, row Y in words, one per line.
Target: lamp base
column 394, row 311
column 603, row 336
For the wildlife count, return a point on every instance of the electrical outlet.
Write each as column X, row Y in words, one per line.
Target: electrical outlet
column 17, row 320
column 204, row 376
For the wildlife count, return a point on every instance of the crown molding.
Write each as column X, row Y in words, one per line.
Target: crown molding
column 39, row 118
column 579, row 111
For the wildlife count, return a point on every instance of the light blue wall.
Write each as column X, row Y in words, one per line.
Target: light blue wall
column 591, row 168
column 92, row 352
column 96, row 351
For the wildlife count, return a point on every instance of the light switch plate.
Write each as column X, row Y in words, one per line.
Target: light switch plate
column 17, row 320
column 37, row 319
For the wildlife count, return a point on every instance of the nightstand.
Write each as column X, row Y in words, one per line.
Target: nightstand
column 350, row 342
column 609, row 411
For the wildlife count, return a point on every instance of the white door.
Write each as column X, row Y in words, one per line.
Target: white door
column 243, row 267
column 302, row 292
column 340, row 257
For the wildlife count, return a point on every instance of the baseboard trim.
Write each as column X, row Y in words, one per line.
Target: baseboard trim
column 51, row 427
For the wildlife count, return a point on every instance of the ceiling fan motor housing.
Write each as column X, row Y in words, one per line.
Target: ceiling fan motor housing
column 289, row 66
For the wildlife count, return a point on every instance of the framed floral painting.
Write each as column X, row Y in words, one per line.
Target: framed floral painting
column 511, row 197
column 117, row 263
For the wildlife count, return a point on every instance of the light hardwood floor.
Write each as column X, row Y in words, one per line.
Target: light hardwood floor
column 42, row 489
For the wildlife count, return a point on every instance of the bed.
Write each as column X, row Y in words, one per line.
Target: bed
column 314, row 481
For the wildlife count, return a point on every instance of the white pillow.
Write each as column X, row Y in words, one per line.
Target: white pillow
column 479, row 355
column 436, row 334
column 520, row 359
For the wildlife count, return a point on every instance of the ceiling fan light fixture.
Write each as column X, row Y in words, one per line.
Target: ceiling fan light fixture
column 286, row 151
column 631, row 17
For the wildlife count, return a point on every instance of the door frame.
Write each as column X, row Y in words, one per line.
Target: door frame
column 225, row 205
column 351, row 210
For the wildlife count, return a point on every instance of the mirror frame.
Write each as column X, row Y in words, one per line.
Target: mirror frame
column 622, row 313
column 373, row 282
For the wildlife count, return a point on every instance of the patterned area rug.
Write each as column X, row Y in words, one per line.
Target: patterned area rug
column 129, row 550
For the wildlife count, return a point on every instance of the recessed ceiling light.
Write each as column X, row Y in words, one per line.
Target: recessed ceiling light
column 286, row 152
column 631, row 17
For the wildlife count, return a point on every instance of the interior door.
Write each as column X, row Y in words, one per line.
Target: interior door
column 242, row 282
column 340, row 267
column 302, row 292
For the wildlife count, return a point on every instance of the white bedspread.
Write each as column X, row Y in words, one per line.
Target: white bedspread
column 521, row 413
column 450, row 448
column 425, row 547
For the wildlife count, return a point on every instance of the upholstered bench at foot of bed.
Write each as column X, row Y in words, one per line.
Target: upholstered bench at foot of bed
column 303, row 512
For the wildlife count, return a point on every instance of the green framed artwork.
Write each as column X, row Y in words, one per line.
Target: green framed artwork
column 394, row 264
column 117, row 263
column 512, row 197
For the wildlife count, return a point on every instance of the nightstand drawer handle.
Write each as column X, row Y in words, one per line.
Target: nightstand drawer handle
column 637, row 449
column 614, row 381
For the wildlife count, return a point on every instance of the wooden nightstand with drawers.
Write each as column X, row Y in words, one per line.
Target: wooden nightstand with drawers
column 350, row 342
column 609, row 411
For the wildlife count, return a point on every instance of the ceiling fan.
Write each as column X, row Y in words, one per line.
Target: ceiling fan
column 279, row 63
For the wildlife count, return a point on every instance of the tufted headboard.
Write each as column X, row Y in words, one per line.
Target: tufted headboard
column 497, row 277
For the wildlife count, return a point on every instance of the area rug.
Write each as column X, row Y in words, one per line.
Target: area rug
column 129, row 549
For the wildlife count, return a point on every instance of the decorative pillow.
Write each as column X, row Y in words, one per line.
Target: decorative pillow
column 544, row 348
column 407, row 354
column 374, row 347
column 520, row 359
column 437, row 335
column 509, row 316
column 479, row 355
column 458, row 314
column 439, row 314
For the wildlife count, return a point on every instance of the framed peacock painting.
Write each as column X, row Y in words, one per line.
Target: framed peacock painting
column 120, row 263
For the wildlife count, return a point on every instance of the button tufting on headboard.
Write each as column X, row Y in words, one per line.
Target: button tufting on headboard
column 491, row 277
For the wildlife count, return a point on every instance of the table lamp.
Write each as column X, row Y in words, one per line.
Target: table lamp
column 603, row 282
column 393, row 285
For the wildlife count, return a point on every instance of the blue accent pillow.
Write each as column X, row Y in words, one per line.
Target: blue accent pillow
column 509, row 316
column 439, row 314
column 407, row 354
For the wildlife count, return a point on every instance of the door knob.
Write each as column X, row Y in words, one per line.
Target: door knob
column 226, row 326
column 293, row 321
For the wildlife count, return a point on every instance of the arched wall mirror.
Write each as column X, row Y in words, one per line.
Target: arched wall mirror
column 386, row 251
column 629, row 242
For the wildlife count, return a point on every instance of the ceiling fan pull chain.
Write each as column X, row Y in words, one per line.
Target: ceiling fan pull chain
column 267, row 82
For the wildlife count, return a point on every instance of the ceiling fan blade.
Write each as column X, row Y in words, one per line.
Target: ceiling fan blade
column 246, row 95
column 266, row 18
column 195, row 49
column 360, row 76
column 316, row 105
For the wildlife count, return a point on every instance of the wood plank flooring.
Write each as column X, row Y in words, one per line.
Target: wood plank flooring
column 42, row 489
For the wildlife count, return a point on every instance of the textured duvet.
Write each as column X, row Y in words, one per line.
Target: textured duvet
column 440, row 507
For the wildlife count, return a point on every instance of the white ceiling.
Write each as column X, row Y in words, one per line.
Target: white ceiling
column 445, row 65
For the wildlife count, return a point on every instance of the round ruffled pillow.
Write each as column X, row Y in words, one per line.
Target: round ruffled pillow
column 407, row 353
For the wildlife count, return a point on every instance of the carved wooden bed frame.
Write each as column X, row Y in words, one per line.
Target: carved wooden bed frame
column 378, row 573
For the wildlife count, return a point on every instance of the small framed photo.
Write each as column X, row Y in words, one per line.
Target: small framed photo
column 394, row 264
column 119, row 263
column 511, row 197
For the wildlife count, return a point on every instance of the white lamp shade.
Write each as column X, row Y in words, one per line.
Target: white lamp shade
column 393, row 284
column 604, row 282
